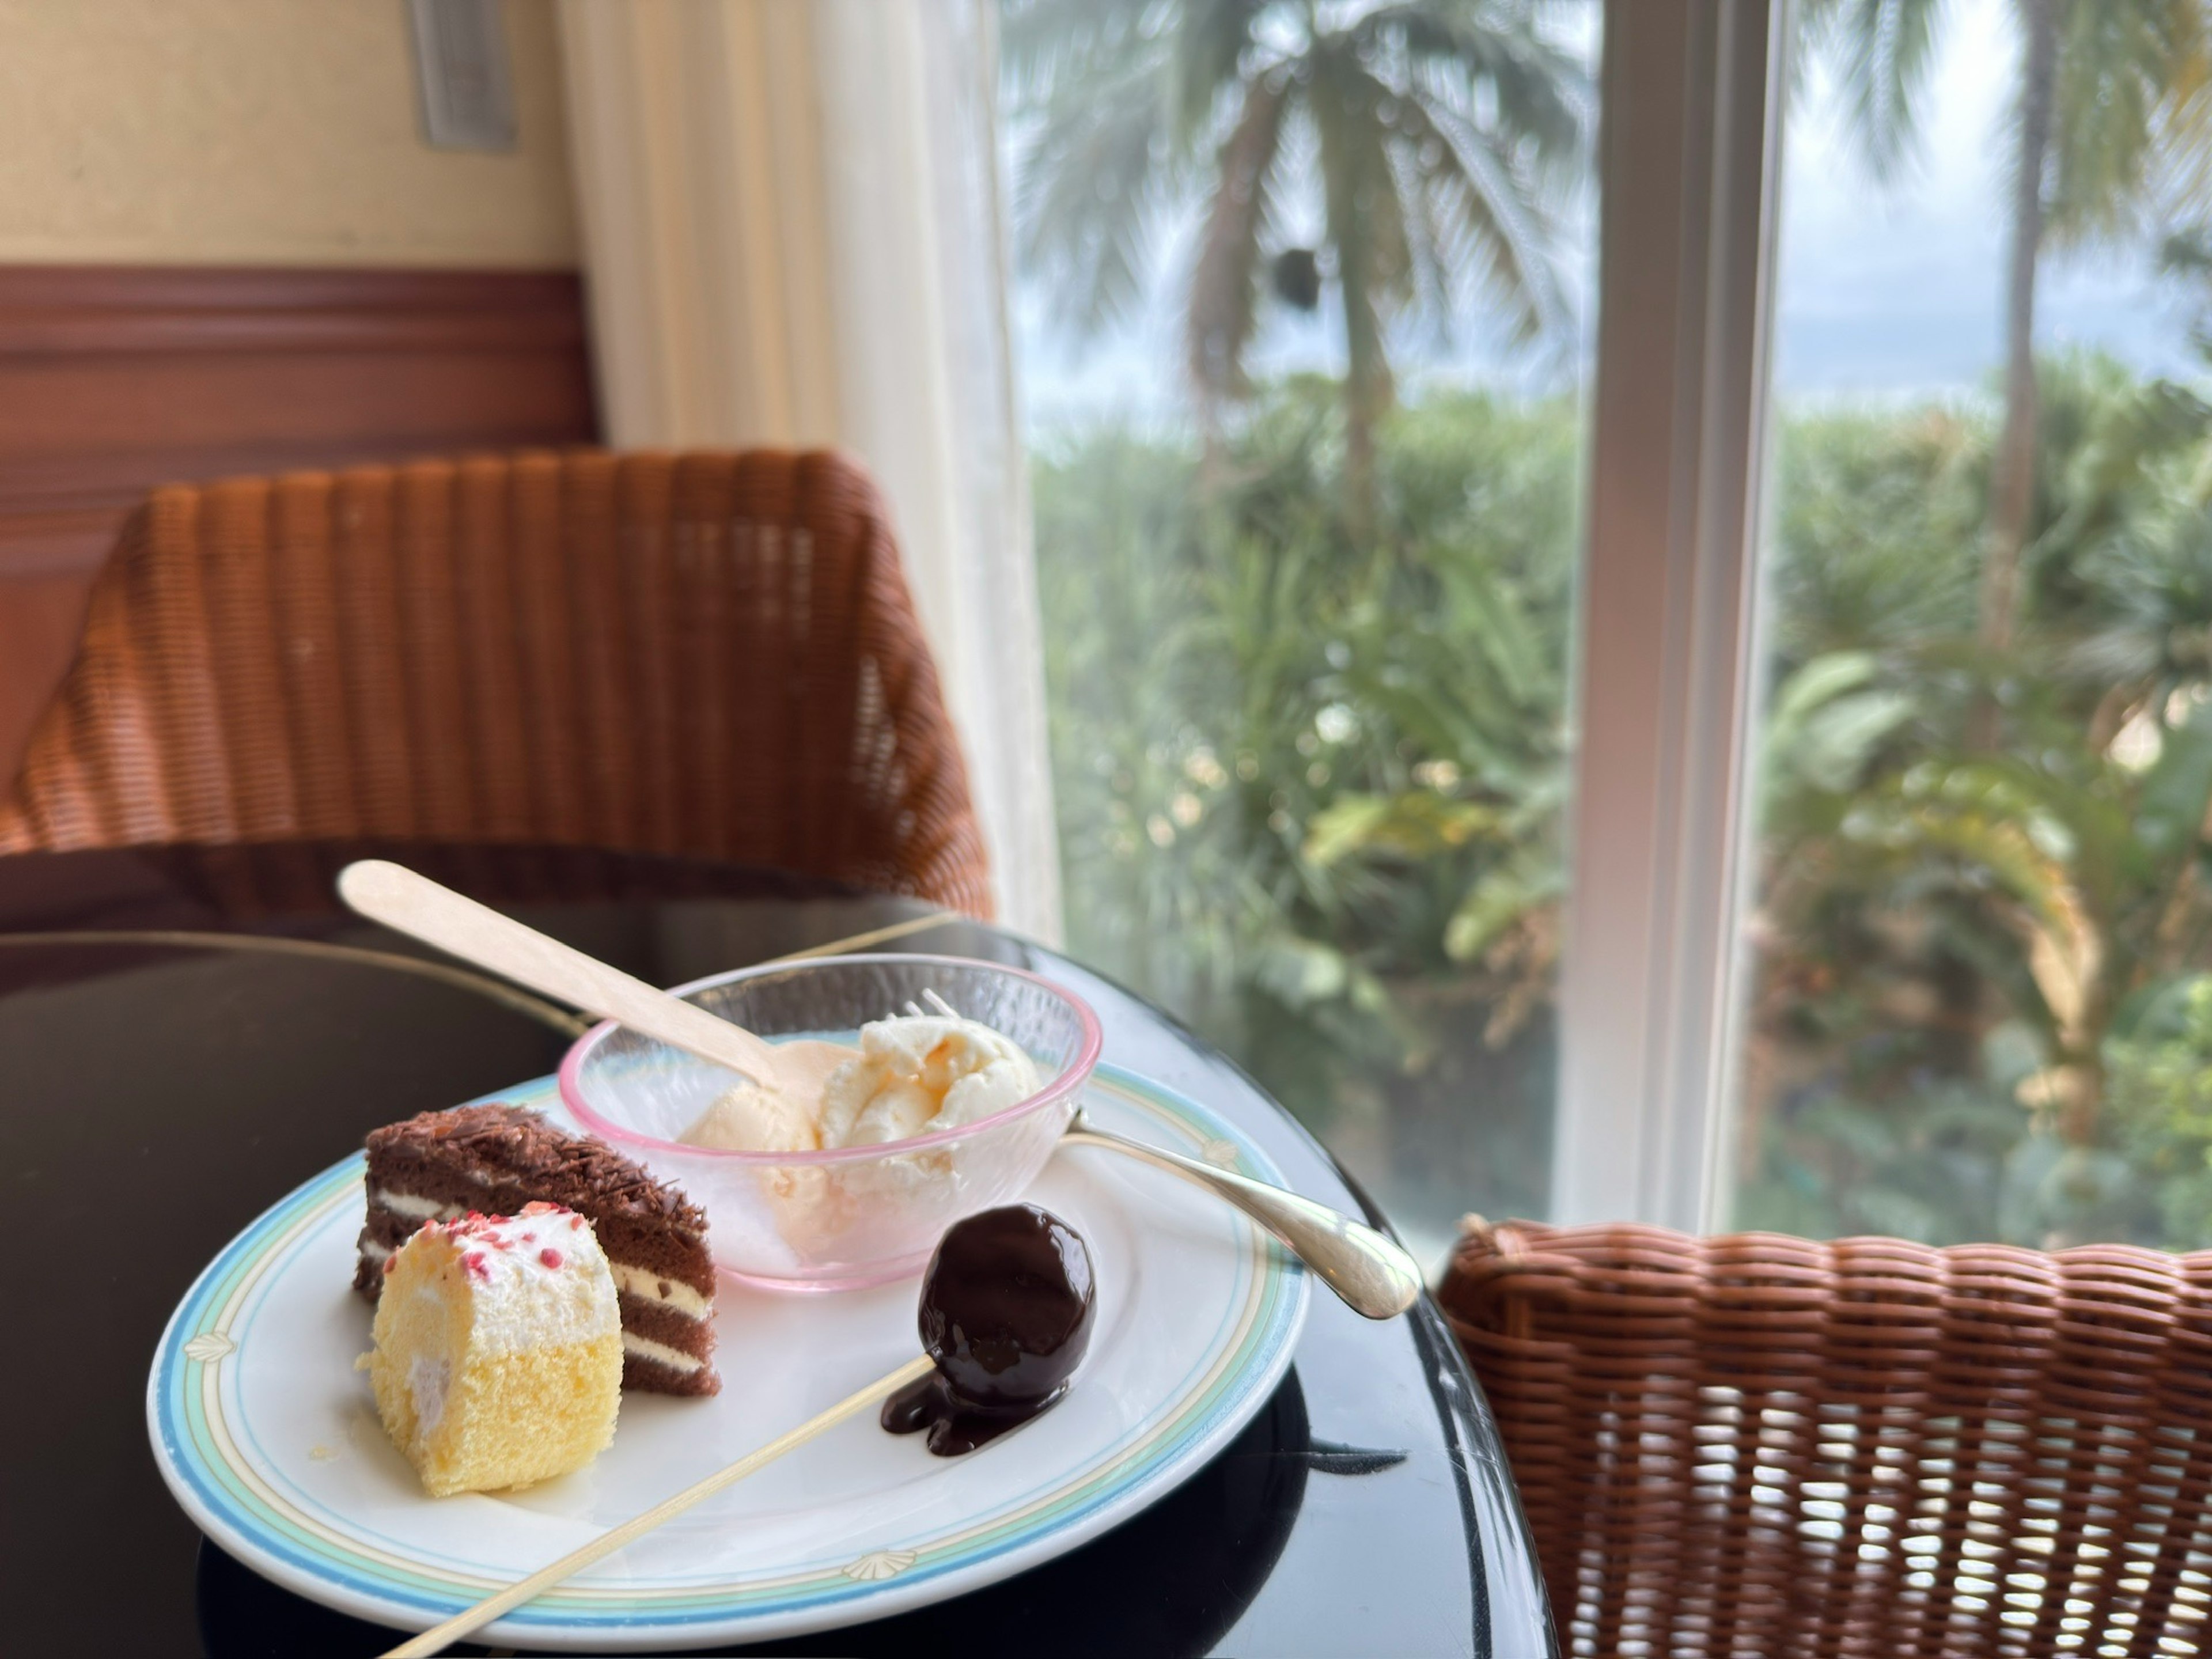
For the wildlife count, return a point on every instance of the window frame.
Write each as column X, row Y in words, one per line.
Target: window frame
column 1661, row 832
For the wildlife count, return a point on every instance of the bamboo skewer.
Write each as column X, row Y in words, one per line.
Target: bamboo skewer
column 438, row 1636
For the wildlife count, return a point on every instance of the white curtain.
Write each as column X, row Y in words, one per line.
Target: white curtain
column 793, row 234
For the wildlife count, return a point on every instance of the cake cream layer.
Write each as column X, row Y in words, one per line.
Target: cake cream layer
column 661, row 1353
column 493, row 1159
column 537, row 1279
column 415, row 1209
column 666, row 1345
column 649, row 1375
column 394, row 1217
column 662, row 1309
column 648, row 1286
column 659, row 1323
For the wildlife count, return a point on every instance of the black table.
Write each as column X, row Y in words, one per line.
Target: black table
column 161, row 1090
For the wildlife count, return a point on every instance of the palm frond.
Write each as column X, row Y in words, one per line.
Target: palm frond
column 2183, row 165
column 1532, row 875
column 1881, row 51
column 1095, row 170
column 1489, row 120
column 1046, row 43
column 2130, row 116
column 1488, row 232
column 2153, row 585
column 2170, row 815
column 1210, row 40
column 1491, row 56
column 1224, row 285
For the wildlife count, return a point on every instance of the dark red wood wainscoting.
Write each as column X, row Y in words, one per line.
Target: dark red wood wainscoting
column 115, row 378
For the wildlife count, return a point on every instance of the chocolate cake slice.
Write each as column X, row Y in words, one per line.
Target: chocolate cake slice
column 494, row 1159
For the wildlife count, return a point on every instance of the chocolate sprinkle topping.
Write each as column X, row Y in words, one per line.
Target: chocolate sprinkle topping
column 520, row 1144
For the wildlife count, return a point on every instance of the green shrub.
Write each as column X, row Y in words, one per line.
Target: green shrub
column 1312, row 783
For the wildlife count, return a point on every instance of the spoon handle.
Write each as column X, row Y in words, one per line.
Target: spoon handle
column 416, row 906
column 1369, row 1270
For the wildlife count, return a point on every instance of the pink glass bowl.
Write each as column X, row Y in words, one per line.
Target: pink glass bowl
column 850, row 1216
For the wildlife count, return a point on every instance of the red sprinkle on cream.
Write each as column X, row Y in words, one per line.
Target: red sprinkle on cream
column 473, row 1263
column 551, row 1258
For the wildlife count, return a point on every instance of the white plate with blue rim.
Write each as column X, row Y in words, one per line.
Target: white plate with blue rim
column 268, row 1438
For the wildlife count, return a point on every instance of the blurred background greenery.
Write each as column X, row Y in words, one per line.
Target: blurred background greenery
column 1310, row 789
column 1308, row 649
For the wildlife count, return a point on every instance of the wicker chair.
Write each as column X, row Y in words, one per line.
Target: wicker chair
column 712, row 655
column 1759, row 1446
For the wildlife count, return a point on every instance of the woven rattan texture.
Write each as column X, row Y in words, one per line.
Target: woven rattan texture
column 713, row 655
column 1759, row 1446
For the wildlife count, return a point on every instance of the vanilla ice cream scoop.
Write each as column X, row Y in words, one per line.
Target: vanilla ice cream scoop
column 750, row 1118
column 912, row 1074
column 919, row 1074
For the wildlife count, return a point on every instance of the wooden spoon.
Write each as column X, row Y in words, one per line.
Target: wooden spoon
column 420, row 907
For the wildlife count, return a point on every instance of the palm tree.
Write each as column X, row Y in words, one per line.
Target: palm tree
column 2112, row 113
column 1442, row 136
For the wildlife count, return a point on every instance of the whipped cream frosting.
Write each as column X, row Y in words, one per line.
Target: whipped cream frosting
column 537, row 1278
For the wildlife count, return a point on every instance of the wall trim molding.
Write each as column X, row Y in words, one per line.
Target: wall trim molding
column 114, row 379
column 74, row 309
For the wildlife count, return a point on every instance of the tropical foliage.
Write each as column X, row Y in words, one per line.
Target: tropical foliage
column 2111, row 128
column 1405, row 161
column 1310, row 784
column 1311, row 788
column 1308, row 662
column 1960, row 947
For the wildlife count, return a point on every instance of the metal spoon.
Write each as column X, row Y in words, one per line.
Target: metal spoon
column 1369, row 1270
column 1374, row 1275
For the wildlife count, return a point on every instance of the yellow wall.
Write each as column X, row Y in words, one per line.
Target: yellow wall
column 262, row 132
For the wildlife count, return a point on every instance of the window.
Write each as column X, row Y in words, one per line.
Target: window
column 1308, row 302
column 1981, row 979
column 1302, row 295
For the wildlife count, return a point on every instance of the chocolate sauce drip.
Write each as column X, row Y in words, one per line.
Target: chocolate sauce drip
column 1006, row 1313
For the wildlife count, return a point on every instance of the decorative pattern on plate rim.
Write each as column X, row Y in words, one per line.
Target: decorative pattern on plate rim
column 210, row 1473
column 877, row 1564
column 208, row 1346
